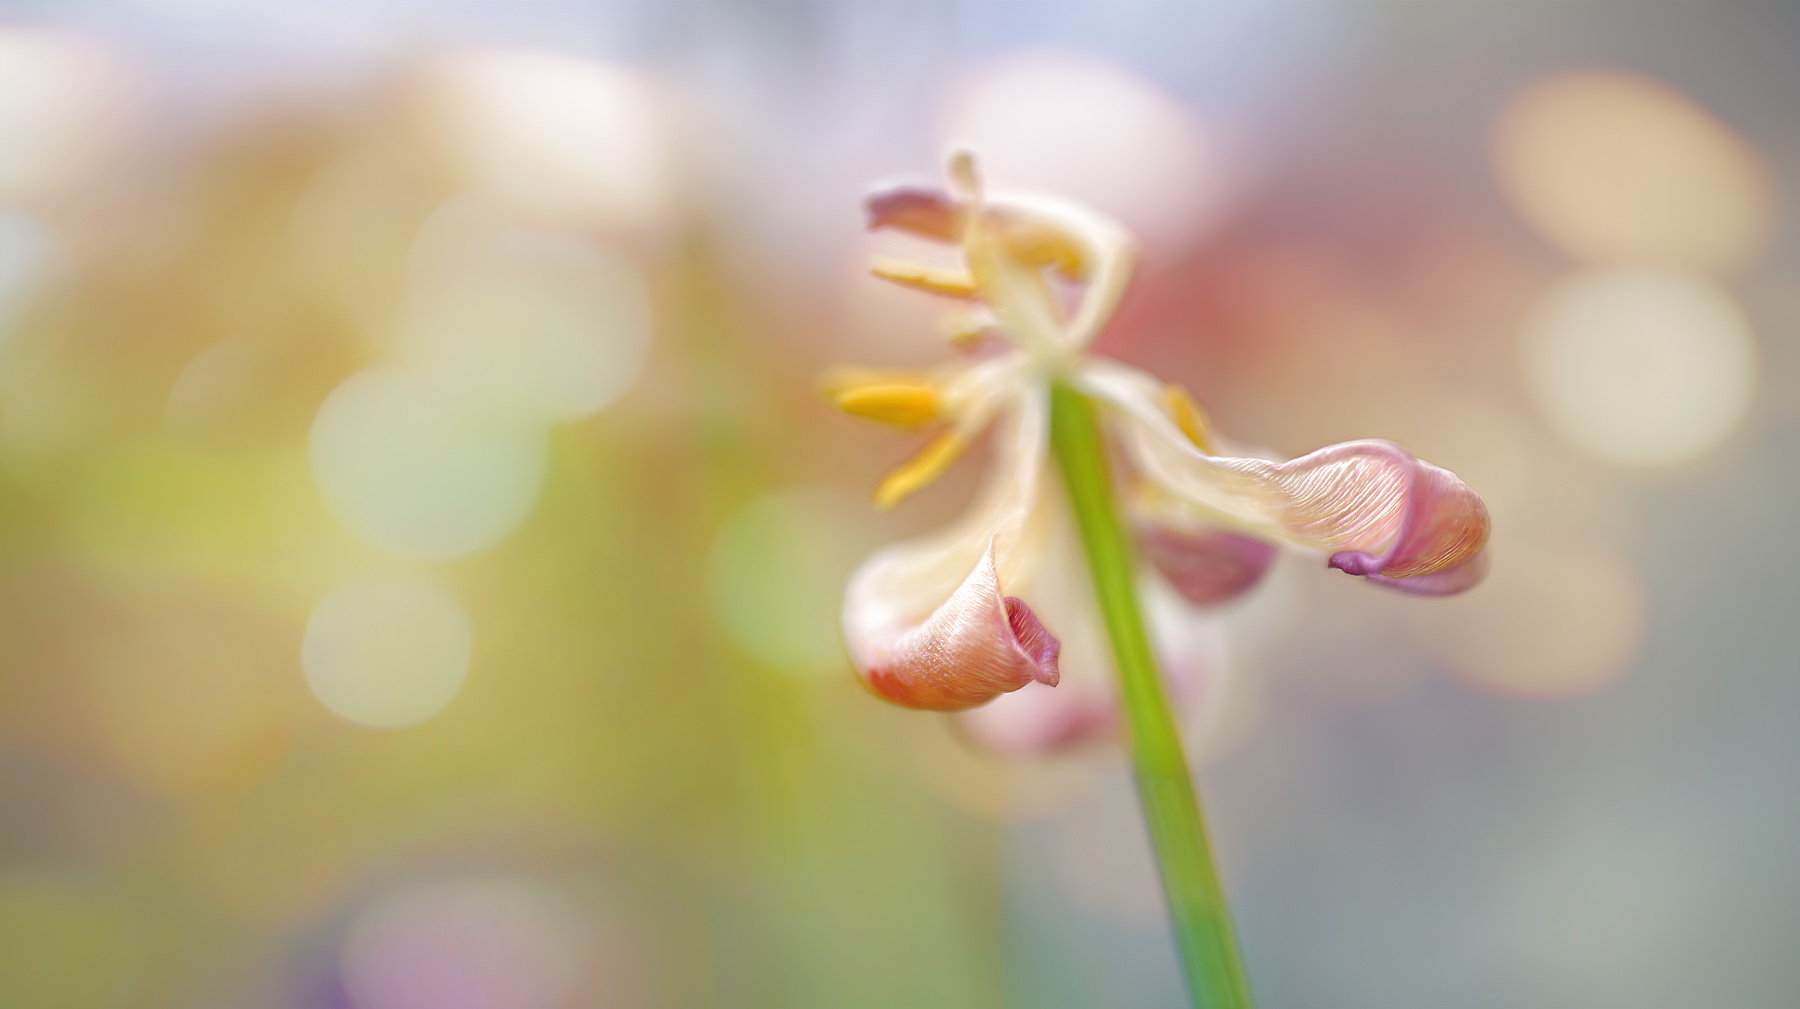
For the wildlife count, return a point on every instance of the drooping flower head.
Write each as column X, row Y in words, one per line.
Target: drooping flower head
column 946, row 621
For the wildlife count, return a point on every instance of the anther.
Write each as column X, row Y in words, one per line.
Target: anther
column 1188, row 416
column 905, row 405
column 918, row 472
column 931, row 279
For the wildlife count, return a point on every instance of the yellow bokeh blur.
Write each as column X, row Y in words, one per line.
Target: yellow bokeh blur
column 423, row 538
column 1622, row 170
column 68, row 942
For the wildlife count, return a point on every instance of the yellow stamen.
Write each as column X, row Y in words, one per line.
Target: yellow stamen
column 900, row 404
column 934, row 280
column 902, row 398
column 918, row 472
column 1188, row 416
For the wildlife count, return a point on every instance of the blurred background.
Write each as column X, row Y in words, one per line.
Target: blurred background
column 421, row 535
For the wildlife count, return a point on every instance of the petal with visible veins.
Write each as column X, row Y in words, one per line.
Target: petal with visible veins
column 1084, row 707
column 978, row 645
column 1373, row 507
column 1447, row 582
column 1442, row 523
column 927, row 621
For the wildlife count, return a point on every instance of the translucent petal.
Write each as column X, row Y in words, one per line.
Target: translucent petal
column 1447, row 582
column 977, row 645
column 1006, row 249
column 1084, row 707
column 928, row 622
column 1084, row 704
column 1369, row 504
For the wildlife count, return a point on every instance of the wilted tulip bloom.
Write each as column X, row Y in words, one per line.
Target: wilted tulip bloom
column 951, row 621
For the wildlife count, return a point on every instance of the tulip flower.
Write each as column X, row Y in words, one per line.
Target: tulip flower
column 951, row 621
column 946, row 622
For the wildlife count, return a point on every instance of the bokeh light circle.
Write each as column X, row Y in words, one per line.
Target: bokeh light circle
column 387, row 652
column 1548, row 623
column 1095, row 133
column 539, row 324
column 33, row 265
column 776, row 574
column 29, row 254
column 1617, row 169
column 1639, row 367
column 352, row 225
column 476, row 943
column 61, row 109
column 408, row 464
column 192, row 692
column 563, row 140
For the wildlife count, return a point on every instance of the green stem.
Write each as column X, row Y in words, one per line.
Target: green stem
column 1203, row 934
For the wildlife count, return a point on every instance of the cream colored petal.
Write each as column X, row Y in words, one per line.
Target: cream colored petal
column 1084, row 704
column 928, row 622
column 1018, row 291
column 1106, row 250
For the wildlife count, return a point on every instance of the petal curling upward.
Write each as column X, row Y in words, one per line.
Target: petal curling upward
column 1447, row 582
column 928, row 623
column 978, row 645
column 1084, row 707
column 1443, row 526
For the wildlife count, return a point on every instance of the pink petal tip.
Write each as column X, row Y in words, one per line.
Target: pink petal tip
column 1442, row 528
column 976, row 646
column 928, row 213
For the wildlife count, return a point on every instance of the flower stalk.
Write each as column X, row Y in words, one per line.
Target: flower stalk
column 1204, row 938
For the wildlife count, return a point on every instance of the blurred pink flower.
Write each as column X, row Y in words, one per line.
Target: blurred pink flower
column 942, row 622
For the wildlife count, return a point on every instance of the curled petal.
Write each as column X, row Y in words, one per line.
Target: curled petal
column 1084, row 708
column 978, row 645
column 1037, row 645
column 1084, row 705
column 927, row 622
column 1208, row 567
column 1015, row 236
column 1442, row 526
column 919, row 210
column 1371, row 505
column 1448, row 582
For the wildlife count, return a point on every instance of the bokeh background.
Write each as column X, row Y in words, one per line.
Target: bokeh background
column 421, row 533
